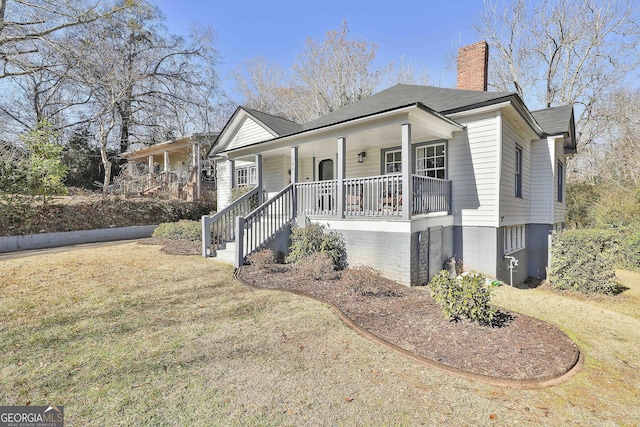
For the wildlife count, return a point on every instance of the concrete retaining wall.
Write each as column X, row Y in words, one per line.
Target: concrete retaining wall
column 53, row 240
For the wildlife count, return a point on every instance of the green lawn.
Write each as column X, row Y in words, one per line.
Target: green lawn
column 125, row 335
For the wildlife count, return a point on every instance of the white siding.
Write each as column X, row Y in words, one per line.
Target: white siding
column 276, row 173
column 249, row 132
column 541, row 181
column 514, row 210
column 473, row 162
column 223, row 186
column 559, row 211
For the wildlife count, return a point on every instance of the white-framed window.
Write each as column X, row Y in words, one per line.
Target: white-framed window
column 246, row 176
column 518, row 171
column 393, row 161
column 560, row 181
column 430, row 161
column 514, row 238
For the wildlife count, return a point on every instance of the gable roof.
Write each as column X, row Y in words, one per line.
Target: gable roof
column 558, row 121
column 279, row 125
column 440, row 100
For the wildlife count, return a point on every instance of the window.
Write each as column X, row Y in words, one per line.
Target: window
column 518, row 171
column 430, row 161
column 514, row 238
column 560, row 181
column 246, row 176
column 393, row 161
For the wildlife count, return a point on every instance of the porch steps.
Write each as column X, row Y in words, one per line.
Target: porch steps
column 228, row 254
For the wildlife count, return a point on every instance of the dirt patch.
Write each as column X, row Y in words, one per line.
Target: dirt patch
column 521, row 348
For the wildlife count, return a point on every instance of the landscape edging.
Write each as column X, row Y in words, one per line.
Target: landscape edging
column 525, row 384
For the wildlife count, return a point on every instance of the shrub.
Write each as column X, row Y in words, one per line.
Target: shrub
column 630, row 248
column 318, row 266
column 262, row 259
column 190, row 230
column 463, row 296
column 312, row 239
column 585, row 261
column 616, row 208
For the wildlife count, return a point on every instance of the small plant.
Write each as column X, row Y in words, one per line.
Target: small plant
column 190, row 230
column 318, row 266
column 262, row 259
column 312, row 239
column 463, row 296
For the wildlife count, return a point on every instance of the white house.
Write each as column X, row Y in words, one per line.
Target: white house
column 409, row 176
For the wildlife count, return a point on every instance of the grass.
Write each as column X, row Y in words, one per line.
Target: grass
column 126, row 335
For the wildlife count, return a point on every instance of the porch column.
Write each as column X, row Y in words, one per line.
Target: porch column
column 232, row 171
column 166, row 161
column 196, row 158
column 150, row 162
column 294, row 180
column 259, row 178
column 407, row 162
column 342, row 150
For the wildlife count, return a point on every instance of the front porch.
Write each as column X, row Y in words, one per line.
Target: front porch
column 376, row 197
column 385, row 190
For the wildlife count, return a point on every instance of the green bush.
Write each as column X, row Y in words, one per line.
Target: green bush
column 311, row 239
column 616, row 208
column 630, row 248
column 581, row 198
column 463, row 296
column 585, row 260
column 190, row 230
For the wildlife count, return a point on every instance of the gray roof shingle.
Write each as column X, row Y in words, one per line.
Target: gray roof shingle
column 555, row 120
column 441, row 100
column 279, row 125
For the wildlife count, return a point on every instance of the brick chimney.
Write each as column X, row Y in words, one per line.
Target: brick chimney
column 473, row 64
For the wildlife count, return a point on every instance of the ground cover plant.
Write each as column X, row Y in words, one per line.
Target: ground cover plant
column 24, row 215
column 128, row 335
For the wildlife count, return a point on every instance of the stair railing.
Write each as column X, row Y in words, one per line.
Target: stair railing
column 259, row 226
column 219, row 228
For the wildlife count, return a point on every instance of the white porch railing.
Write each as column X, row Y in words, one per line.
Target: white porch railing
column 374, row 196
column 262, row 224
column 317, row 198
column 430, row 195
column 220, row 228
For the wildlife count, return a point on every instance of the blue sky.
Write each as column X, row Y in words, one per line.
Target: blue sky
column 422, row 32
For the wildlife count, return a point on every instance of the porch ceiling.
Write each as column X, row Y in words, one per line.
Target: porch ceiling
column 360, row 136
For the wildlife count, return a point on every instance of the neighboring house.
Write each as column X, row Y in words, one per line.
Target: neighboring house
column 172, row 167
column 409, row 176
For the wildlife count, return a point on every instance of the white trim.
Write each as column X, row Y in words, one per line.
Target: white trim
column 514, row 238
column 499, row 154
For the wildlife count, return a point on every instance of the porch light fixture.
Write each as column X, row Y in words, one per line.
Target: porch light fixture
column 361, row 156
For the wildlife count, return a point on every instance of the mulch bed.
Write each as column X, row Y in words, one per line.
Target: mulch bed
column 518, row 348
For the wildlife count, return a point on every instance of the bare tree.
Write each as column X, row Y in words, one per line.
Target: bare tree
column 327, row 75
column 25, row 26
column 618, row 152
column 260, row 82
column 165, row 84
column 561, row 52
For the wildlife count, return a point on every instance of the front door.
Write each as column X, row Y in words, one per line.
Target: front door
column 325, row 173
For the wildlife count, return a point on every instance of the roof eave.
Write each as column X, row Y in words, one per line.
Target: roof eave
column 396, row 110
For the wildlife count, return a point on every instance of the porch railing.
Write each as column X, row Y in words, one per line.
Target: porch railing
column 220, row 228
column 262, row 224
column 430, row 195
column 374, row 196
column 317, row 198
